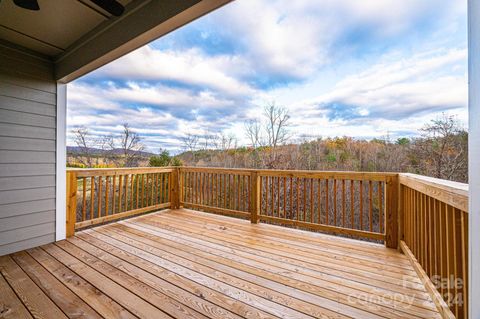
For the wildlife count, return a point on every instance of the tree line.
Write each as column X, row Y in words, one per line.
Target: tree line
column 439, row 151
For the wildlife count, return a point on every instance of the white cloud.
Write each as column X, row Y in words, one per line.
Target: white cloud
column 189, row 67
column 403, row 87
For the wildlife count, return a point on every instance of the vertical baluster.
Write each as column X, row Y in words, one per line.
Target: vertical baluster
column 225, row 198
column 137, row 199
column 107, row 193
column 131, row 192
column 217, row 190
column 319, row 216
column 267, row 190
column 278, row 196
column 284, row 197
column 370, row 204
column 304, row 189
column 327, row 200
column 99, row 207
column 273, row 195
column 125, row 182
column 114, row 192
column 234, row 191
column 335, row 202
column 464, row 247
column 212, row 194
column 84, row 198
column 352, row 205
column 311, row 200
column 361, row 205
column 343, row 203
column 120, row 193
column 291, row 197
column 380, row 203
column 152, row 190
column 454, row 258
column 297, row 180
column 431, row 232
column 92, row 196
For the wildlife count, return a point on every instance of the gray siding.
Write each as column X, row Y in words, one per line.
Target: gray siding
column 27, row 151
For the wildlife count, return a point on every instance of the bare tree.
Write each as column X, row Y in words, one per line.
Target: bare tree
column 276, row 128
column 85, row 146
column 277, row 124
column 128, row 144
column 253, row 130
column 443, row 148
column 190, row 142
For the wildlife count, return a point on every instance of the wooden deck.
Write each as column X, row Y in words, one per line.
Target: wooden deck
column 187, row 264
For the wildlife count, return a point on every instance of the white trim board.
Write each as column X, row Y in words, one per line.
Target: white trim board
column 474, row 156
column 61, row 160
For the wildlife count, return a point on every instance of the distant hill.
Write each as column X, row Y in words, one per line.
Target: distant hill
column 72, row 150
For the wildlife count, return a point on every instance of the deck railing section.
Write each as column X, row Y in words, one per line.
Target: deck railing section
column 99, row 195
column 435, row 236
column 225, row 191
column 346, row 203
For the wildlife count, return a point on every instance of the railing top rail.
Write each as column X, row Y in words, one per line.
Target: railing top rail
column 295, row 173
column 452, row 193
column 86, row 172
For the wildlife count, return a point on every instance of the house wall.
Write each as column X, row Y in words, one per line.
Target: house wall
column 28, row 97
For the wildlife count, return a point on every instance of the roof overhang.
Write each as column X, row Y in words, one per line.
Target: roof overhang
column 85, row 38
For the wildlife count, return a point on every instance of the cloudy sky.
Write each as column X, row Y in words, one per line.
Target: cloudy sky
column 341, row 67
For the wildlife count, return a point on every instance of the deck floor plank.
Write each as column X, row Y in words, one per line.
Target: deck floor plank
column 189, row 264
column 10, row 306
column 64, row 298
column 39, row 304
column 291, row 278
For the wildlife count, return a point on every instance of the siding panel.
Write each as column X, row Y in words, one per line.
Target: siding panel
column 26, row 195
column 14, row 117
column 10, row 157
column 17, row 130
column 27, row 150
column 11, row 103
column 24, row 93
column 22, row 208
column 24, row 182
column 26, row 144
column 10, row 223
column 10, row 170
column 26, row 244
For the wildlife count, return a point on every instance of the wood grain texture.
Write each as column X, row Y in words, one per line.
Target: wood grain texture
column 188, row 264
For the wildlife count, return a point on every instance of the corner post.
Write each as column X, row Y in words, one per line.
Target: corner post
column 255, row 197
column 71, row 203
column 391, row 205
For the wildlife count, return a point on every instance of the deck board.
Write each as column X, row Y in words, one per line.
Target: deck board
column 188, row 264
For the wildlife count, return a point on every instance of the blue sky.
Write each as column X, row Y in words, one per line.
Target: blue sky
column 364, row 69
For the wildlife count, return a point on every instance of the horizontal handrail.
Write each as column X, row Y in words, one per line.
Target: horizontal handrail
column 86, row 172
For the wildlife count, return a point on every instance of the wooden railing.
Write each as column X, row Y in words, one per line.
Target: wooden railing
column 434, row 235
column 100, row 195
column 225, row 191
column 426, row 218
column 346, row 203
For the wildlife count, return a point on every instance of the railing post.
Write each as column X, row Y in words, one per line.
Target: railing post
column 255, row 197
column 71, row 203
column 174, row 188
column 391, row 206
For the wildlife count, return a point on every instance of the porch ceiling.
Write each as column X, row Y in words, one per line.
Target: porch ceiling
column 79, row 36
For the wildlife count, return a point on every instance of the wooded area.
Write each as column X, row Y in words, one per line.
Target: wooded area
column 440, row 149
